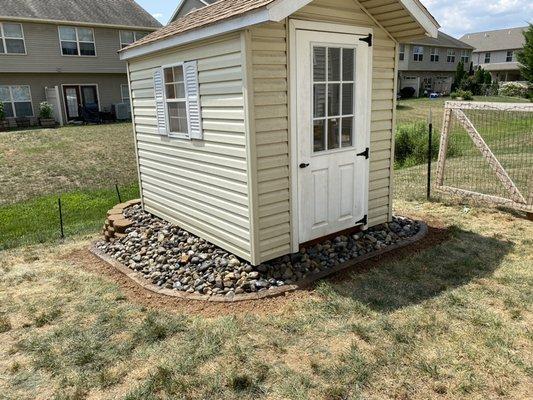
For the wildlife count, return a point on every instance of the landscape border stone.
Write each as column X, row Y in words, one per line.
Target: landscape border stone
column 273, row 292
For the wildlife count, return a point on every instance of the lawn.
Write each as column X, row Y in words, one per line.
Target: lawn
column 449, row 319
column 79, row 164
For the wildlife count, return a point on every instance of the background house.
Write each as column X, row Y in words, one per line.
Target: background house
column 186, row 6
column 66, row 52
column 496, row 51
column 429, row 64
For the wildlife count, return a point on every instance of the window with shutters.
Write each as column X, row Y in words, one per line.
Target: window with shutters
column 178, row 101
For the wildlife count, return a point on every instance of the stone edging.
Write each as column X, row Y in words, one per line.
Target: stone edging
column 278, row 291
column 116, row 224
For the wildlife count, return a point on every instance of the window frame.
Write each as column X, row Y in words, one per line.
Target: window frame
column 487, row 56
column 434, row 55
column 418, row 57
column 13, row 101
column 77, row 41
column 465, row 57
column 507, row 56
column 122, row 92
column 451, row 56
column 123, row 45
column 3, row 39
column 401, row 52
column 177, row 135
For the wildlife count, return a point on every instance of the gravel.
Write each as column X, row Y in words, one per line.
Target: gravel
column 173, row 258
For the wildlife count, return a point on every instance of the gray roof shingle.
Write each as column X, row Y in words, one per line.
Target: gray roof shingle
column 106, row 12
column 442, row 40
column 501, row 39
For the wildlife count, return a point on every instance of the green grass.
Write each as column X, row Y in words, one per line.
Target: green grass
column 37, row 220
column 51, row 161
column 449, row 321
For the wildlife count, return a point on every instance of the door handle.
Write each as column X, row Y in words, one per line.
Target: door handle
column 303, row 165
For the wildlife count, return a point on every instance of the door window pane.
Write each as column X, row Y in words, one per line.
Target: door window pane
column 334, row 64
column 334, row 99
column 319, row 64
column 348, row 65
column 72, row 102
column 347, row 132
column 319, row 100
column 333, row 133
column 23, row 109
column 319, row 135
column 177, row 113
column 347, row 99
column 89, row 95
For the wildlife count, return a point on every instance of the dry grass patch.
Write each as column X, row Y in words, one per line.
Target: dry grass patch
column 450, row 321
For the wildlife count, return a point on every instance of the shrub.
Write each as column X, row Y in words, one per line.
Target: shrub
column 411, row 146
column 46, row 110
column 2, row 112
column 407, row 92
column 514, row 89
column 463, row 94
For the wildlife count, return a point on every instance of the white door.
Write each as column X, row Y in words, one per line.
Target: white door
column 333, row 131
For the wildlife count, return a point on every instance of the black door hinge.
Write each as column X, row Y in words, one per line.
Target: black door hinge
column 363, row 221
column 365, row 154
column 367, row 39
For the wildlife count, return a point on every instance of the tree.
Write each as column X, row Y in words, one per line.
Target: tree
column 525, row 56
column 460, row 75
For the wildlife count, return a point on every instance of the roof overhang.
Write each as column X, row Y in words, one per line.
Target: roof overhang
column 273, row 12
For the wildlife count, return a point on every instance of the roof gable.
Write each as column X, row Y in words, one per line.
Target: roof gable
column 100, row 12
column 230, row 15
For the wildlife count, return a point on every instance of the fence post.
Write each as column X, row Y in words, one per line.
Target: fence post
column 118, row 193
column 60, row 217
column 430, row 155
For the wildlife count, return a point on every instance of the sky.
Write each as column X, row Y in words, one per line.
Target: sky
column 457, row 17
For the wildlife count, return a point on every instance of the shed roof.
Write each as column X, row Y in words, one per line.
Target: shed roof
column 101, row 12
column 249, row 12
column 501, row 39
column 442, row 40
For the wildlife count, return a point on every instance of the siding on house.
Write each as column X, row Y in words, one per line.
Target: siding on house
column 271, row 110
column 44, row 52
column 200, row 185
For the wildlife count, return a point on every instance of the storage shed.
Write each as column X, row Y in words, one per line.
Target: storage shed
column 264, row 124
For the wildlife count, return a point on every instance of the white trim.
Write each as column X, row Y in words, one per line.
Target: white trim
column 293, row 135
column 77, row 41
column 3, row 38
column 275, row 11
column 79, row 86
column 77, row 23
column 175, row 135
column 13, row 101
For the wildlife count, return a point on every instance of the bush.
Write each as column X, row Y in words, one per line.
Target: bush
column 2, row 112
column 46, row 111
column 407, row 92
column 514, row 89
column 462, row 94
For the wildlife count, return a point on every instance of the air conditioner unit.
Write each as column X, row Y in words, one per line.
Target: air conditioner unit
column 122, row 111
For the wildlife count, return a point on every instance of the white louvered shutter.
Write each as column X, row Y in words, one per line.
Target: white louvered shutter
column 194, row 112
column 159, row 89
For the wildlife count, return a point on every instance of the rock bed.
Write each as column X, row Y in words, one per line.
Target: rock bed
column 172, row 258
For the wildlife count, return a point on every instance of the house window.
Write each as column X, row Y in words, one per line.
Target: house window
column 465, row 57
column 125, row 93
column 402, row 52
column 77, row 41
column 129, row 37
column 176, row 100
column 17, row 101
column 509, row 57
column 434, row 55
column 11, row 39
column 450, row 56
column 418, row 53
column 487, row 58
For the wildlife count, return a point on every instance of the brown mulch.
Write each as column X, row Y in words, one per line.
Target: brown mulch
column 437, row 233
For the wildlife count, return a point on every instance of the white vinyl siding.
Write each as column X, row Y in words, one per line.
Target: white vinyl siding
column 201, row 186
